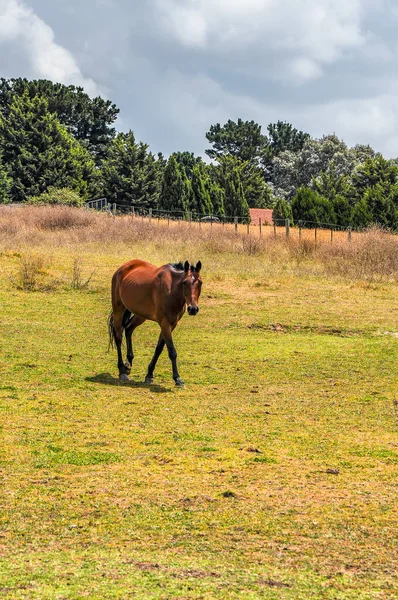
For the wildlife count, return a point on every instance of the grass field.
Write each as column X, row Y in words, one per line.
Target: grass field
column 273, row 474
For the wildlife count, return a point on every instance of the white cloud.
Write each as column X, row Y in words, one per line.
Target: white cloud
column 21, row 28
column 174, row 67
column 310, row 32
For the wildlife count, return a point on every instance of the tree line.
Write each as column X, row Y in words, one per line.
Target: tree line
column 58, row 144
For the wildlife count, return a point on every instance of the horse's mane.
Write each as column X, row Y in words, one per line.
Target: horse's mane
column 177, row 266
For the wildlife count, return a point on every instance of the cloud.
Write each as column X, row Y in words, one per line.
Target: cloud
column 174, row 67
column 303, row 35
column 37, row 52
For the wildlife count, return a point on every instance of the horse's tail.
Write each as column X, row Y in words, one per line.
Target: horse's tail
column 111, row 331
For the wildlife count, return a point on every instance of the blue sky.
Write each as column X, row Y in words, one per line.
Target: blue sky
column 174, row 67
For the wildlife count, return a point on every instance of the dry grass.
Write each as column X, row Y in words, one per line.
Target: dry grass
column 370, row 256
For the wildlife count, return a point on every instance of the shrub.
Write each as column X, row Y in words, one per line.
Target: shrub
column 63, row 196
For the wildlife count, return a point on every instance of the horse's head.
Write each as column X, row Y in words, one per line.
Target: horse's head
column 192, row 284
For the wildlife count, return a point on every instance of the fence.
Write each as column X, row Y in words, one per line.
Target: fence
column 303, row 230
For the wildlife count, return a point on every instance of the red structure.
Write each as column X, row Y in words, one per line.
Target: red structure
column 265, row 214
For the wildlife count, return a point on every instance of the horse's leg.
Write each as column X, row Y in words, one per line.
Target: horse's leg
column 133, row 324
column 166, row 334
column 117, row 336
column 151, row 367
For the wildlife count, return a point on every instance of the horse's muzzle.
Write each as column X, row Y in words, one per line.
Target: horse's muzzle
column 193, row 310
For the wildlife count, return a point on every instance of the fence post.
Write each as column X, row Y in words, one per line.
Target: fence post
column 168, row 220
column 300, row 228
column 259, row 222
column 349, row 234
column 114, row 208
column 236, row 223
column 248, row 228
column 150, row 214
column 315, row 235
column 331, row 236
column 190, row 217
column 274, row 228
column 287, row 225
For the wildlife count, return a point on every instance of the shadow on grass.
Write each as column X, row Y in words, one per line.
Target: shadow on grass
column 108, row 379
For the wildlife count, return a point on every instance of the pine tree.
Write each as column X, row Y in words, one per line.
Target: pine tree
column 309, row 206
column 382, row 203
column 361, row 216
column 39, row 152
column 235, row 201
column 217, row 197
column 343, row 211
column 131, row 175
column 282, row 211
column 89, row 120
column 174, row 189
column 5, row 184
column 201, row 198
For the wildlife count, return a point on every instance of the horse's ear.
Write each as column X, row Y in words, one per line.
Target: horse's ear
column 198, row 266
column 186, row 266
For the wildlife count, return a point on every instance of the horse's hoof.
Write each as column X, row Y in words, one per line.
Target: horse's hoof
column 123, row 377
column 179, row 382
column 127, row 367
column 149, row 380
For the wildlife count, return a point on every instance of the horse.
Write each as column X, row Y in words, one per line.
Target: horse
column 141, row 292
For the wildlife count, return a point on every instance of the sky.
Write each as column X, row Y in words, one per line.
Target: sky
column 175, row 67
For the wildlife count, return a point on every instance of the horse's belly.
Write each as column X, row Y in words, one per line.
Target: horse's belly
column 137, row 298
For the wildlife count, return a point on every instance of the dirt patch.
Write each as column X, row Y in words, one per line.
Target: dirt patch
column 274, row 583
column 317, row 329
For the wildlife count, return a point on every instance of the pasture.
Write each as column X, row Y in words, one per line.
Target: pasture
column 271, row 475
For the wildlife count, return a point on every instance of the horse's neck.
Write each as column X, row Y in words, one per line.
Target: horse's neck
column 177, row 292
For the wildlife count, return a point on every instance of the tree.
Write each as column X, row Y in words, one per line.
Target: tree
column 187, row 161
column 312, row 208
column 174, row 189
column 243, row 140
column 201, row 198
column 382, row 204
column 39, row 152
column 235, row 201
column 217, row 196
column 89, row 120
column 374, row 192
column 371, row 172
column 257, row 191
column 5, row 184
column 361, row 217
column 342, row 210
column 331, row 183
column 282, row 137
column 131, row 175
column 282, row 211
column 292, row 170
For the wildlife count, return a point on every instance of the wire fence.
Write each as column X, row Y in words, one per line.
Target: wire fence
column 301, row 229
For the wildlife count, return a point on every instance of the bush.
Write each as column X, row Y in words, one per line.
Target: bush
column 63, row 196
column 281, row 212
column 311, row 207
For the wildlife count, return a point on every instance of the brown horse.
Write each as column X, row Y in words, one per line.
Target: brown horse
column 140, row 292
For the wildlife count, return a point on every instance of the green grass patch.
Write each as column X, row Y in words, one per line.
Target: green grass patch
column 271, row 475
